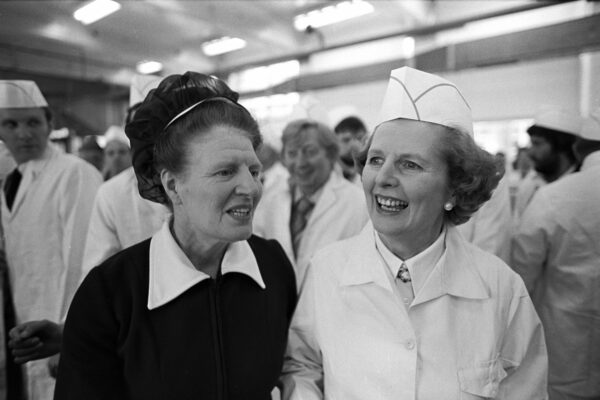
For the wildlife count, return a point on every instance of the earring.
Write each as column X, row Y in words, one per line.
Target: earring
column 448, row 206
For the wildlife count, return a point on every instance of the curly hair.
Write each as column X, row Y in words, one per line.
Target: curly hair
column 473, row 172
column 180, row 108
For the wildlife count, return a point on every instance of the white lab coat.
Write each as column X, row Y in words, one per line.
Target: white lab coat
column 120, row 218
column 44, row 236
column 490, row 228
column 470, row 333
column 557, row 252
column 339, row 213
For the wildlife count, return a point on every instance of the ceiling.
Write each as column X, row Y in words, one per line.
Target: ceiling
column 42, row 37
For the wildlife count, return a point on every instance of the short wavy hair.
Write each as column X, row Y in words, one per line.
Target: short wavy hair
column 473, row 172
column 325, row 136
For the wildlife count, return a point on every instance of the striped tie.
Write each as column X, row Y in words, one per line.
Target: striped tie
column 298, row 221
column 403, row 273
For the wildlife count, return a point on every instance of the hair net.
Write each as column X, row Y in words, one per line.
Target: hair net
column 161, row 106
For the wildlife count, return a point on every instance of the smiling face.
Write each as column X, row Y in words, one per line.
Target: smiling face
column 405, row 181
column 219, row 189
column 307, row 161
column 25, row 132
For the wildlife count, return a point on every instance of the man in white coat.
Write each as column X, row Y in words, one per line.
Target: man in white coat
column 46, row 205
column 552, row 136
column 556, row 250
column 335, row 207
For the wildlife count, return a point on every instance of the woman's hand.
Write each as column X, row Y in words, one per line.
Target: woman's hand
column 35, row 340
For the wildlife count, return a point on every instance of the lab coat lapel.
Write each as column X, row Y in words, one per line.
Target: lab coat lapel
column 327, row 199
column 455, row 273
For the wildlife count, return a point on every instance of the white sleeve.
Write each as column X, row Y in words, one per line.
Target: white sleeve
column 102, row 240
column 302, row 376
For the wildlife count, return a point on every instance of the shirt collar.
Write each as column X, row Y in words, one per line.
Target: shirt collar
column 455, row 272
column 172, row 273
column 297, row 194
column 419, row 266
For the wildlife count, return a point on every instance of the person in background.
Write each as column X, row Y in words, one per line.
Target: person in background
column 490, row 227
column 408, row 309
column 552, row 136
column 351, row 133
column 91, row 152
column 317, row 206
column 556, row 250
column 274, row 173
column 46, row 206
column 120, row 218
column 117, row 157
column 201, row 310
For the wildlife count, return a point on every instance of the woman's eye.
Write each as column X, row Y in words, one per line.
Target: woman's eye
column 375, row 160
column 410, row 165
column 225, row 172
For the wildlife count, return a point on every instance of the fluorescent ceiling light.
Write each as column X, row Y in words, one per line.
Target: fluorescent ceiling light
column 148, row 67
column 222, row 45
column 332, row 14
column 95, row 11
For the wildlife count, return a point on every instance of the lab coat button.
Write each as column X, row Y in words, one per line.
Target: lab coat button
column 410, row 345
column 406, row 300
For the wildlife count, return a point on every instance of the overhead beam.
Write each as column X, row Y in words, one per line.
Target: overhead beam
column 572, row 37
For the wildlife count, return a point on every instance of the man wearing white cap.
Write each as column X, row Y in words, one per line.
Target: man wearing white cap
column 557, row 252
column 120, row 216
column 46, row 205
column 408, row 309
column 117, row 157
column 552, row 136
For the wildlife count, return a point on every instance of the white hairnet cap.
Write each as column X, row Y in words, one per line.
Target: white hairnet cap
column 558, row 119
column 417, row 95
column 21, row 94
column 116, row 133
column 140, row 86
column 590, row 129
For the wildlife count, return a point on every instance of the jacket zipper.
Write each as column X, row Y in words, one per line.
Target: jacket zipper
column 218, row 339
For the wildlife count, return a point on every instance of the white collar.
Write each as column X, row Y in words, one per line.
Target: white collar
column 172, row 273
column 419, row 266
column 37, row 165
column 591, row 160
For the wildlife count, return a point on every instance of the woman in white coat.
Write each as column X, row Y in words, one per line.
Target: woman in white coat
column 408, row 309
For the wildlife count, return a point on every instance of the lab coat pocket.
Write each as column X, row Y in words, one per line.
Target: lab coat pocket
column 481, row 381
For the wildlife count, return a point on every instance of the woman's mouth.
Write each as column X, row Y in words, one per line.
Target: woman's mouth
column 241, row 212
column 390, row 204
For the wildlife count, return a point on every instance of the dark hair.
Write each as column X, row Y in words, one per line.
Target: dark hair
column 561, row 142
column 170, row 150
column 181, row 107
column 48, row 114
column 473, row 172
column 350, row 124
column 326, row 138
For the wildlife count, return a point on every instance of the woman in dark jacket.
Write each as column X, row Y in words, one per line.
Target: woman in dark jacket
column 200, row 310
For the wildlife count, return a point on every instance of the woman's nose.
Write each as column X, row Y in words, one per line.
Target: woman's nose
column 385, row 176
column 248, row 183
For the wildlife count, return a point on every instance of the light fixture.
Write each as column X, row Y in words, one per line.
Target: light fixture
column 332, row 14
column 222, row 45
column 95, row 11
column 148, row 67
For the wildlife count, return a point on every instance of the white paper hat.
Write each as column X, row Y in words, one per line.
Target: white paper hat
column 116, row 133
column 417, row 95
column 21, row 94
column 558, row 119
column 590, row 128
column 140, row 86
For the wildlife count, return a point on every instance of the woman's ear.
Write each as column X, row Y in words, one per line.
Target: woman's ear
column 169, row 182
